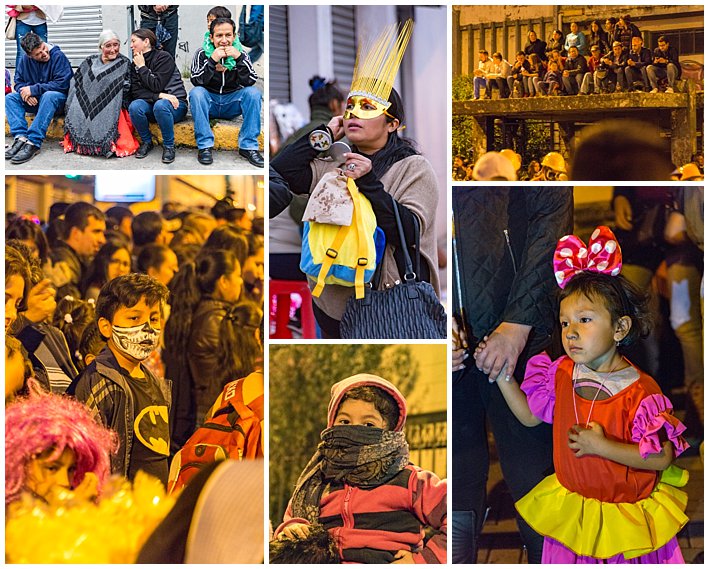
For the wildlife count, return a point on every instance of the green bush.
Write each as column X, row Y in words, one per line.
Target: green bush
column 463, row 88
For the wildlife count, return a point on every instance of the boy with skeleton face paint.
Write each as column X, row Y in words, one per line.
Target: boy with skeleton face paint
column 117, row 387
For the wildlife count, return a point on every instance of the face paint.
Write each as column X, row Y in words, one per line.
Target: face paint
column 138, row 342
column 365, row 108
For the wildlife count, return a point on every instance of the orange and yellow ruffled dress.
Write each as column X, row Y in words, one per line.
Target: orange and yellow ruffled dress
column 593, row 510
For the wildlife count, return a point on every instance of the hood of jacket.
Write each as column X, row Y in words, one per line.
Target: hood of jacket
column 337, row 392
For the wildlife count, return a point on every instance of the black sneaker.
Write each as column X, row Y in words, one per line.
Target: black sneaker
column 25, row 153
column 144, row 149
column 253, row 156
column 204, row 156
column 168, row 154
column 14, row 149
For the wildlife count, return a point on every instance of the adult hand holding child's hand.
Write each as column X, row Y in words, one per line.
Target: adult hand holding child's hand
column 501, row 348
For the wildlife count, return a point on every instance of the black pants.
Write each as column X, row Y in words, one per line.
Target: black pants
column 171, row 24
column 525, row 453
column 329, row 327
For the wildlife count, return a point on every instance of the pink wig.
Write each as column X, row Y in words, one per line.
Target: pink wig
column 44, row 421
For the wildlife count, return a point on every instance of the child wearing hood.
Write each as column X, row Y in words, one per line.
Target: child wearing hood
column 362, row 488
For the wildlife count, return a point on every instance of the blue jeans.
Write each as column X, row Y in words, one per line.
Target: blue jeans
column 477, row 83
column 206, row 105
column 50, row 104
column 143, row 112
column 21, row 30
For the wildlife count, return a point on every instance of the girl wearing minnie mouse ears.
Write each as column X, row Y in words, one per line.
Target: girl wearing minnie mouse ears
column 613, row 497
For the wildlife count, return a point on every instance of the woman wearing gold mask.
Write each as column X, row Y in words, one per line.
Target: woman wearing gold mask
column 384, row 165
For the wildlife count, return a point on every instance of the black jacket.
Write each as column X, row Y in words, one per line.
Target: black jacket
column 203, row 353
column 102, row 386
column 33, row 335
column 539, row 47
column 671, row 55
column 279, row 195
column 576, row 66
column 204, row 74
column 62, row 253
column 504, row 245
column 158, row 75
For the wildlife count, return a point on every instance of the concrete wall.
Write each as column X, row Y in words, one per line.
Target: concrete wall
column 477, row 14
column 192, row 22
column 512, row 23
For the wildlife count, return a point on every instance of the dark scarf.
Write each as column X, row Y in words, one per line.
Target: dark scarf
column 94, row 104
column 361, row 456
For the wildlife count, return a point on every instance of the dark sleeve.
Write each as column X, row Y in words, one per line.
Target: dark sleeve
column 100, row 398
column 293, row 163
column 203, row 350
column 645, row 58
column 126, row 85
column 531, row 297
column 203, row 69
column 383, row 207
column 674, row 57
column 61, row 74
column 167, row 543
column 279, row 196
column 156, row 78
column 624, row 191
column 245, row 70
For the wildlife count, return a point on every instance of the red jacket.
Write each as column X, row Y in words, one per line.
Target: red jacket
column 370, row 526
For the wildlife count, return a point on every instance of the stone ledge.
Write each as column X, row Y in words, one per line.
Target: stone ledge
column 226, row 133
column 540, row 107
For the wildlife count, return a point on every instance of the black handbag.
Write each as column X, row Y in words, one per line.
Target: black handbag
column 408, row 310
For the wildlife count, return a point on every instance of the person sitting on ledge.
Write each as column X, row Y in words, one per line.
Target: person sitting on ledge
column 665, row 64
column 41, row 83
column 574, row 70
column 638, row 60
column 224, row 88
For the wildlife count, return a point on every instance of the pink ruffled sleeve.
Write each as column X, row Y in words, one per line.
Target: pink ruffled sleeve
column 538, row 385
column 653, row 415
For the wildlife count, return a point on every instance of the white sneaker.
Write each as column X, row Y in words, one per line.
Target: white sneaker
column 654, row 90
column 669, row 90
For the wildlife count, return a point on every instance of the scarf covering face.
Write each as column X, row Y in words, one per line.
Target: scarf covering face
column 228, row 62
column 361, row 456
column 94, row 104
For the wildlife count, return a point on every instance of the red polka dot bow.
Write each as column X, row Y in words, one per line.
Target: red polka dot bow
column 572, row 256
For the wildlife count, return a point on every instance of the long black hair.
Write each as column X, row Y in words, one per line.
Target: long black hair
column 193, row 281
column 27, row 230
column 397, row 147
column 98, row 270
column 146, row 34
column 239, row 346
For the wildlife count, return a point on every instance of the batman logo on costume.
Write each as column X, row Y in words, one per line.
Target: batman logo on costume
column 151, row 428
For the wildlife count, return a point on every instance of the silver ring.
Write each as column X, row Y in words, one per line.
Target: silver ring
column 351, row 167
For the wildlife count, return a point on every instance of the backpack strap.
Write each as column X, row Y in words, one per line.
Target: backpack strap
column 362, row 259
column 330, row 256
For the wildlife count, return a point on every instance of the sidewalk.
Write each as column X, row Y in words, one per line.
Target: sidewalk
column 226, row 156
